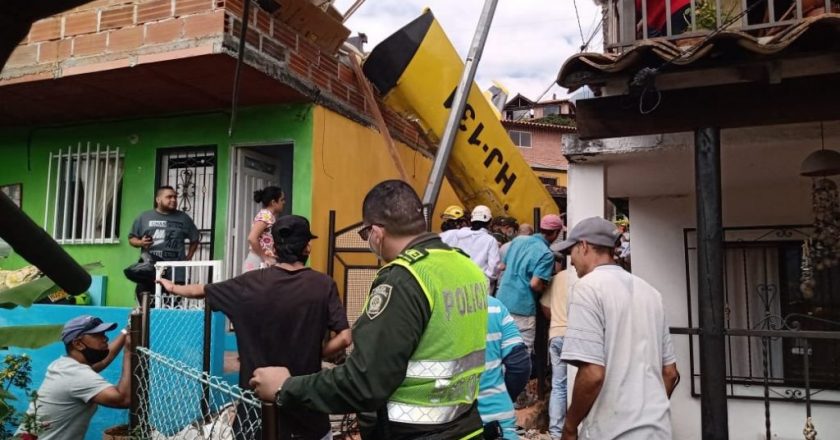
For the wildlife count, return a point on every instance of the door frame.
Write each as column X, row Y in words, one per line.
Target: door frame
column 160, row 152
column 286, row 149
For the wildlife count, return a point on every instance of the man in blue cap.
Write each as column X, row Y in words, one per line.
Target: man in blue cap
column 73, row 388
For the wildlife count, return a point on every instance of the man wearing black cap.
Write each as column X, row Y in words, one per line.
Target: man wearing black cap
column 616, row 336
column 73, row 388
column 281, row 314
column 419, row 344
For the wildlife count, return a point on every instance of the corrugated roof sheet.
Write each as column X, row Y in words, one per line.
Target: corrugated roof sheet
column 813, row 34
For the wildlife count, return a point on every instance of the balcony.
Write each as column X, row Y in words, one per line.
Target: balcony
column 687, row 22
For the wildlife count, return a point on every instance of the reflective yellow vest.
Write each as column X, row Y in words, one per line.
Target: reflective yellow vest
column 442, row 378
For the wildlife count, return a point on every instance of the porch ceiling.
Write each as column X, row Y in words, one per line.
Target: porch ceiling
column 191, row 84
column 767, row 157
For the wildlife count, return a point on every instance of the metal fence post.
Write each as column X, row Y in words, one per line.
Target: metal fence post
column 205, row 361
column 136, row 322
column 141, row 368
column 269, row 421
column 331, row 245
column 144, row 309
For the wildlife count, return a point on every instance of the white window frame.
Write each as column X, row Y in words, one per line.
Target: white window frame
column 99, row 171
column 518, row 139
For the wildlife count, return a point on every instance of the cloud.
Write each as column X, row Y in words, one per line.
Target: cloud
column 529, row 39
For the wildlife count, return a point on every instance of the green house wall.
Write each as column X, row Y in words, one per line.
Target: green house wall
column 24, row 156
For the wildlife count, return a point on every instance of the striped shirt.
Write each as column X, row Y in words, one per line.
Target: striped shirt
column 494, row 404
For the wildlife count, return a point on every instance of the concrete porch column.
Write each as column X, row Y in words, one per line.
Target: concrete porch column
column 587, row 192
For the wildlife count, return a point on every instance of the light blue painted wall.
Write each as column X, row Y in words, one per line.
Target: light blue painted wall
column 175, row 333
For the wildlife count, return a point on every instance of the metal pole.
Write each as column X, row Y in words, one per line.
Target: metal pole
column 136, row 337
column 144, row 308
column 713, row 404
column 269, row 421
column 331, row 247
column 459, row 102
column 205, row 361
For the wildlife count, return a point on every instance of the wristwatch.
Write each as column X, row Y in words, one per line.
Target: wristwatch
column 124, row 331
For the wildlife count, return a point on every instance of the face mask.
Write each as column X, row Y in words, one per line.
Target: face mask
column 94, row 356
column 375, row 252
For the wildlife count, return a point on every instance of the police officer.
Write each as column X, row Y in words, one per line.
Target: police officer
column 419, row 343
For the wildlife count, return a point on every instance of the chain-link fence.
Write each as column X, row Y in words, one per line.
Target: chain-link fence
column 177, row 401
column 178, row 392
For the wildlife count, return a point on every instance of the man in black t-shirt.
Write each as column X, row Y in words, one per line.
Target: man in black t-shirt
column 281, row 314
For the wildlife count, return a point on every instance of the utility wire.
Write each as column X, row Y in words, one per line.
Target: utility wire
column 522, row 116
column 580, row 27
column 598, row 25
column 592, row 36
column 584, row 45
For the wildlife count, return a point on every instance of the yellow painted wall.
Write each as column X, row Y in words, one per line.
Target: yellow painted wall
column 561, row 176
column 348, row 159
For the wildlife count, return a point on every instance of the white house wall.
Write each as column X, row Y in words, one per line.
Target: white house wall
column 659, row 257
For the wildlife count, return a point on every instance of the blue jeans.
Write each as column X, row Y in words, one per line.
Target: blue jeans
column 557, row 401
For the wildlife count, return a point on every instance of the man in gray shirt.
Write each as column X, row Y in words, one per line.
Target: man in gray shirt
column 161, row 232
column 618, row 338
column 73, row 388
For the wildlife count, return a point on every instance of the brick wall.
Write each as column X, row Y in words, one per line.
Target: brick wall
column 546, row 146
column 328, row 78
column 104, row 31
column 112, row 34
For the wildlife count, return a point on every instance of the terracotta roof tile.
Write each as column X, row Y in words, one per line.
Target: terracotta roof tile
column 820, row 33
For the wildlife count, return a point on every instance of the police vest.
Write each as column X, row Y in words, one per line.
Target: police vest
column 442, row 379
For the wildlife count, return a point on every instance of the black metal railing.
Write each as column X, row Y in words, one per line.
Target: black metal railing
column 770, row 390
column 628, row 22
column 782, row 339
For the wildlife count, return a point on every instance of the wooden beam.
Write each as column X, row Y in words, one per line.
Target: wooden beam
column 377, row 115
column 687, row 77
column 731, row 106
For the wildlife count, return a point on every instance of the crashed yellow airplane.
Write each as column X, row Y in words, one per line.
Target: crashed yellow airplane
column 417, row 70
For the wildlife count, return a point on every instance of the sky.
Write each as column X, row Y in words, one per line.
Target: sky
column 528, row 42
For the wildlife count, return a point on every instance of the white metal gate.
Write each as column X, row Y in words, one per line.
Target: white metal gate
column 192, row 172
column 251, row 171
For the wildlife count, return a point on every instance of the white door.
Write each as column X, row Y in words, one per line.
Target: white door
column 251, row 171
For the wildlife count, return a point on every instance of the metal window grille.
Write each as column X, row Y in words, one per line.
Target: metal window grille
column 83, row 194
column 762, row 273
column 192, row 172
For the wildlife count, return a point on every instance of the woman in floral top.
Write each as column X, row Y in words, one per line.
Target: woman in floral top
column 260, row 243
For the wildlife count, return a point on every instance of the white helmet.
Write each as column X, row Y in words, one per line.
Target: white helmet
column 481, row 213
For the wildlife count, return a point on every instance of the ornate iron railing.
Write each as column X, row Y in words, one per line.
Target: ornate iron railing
column 627, row 22
column 782, row 343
